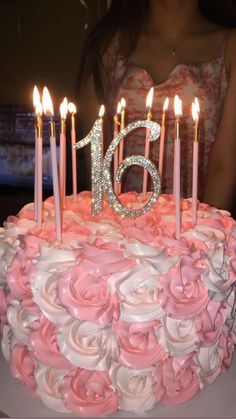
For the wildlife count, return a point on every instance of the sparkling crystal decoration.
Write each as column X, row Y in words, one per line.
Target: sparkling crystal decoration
column 111, row 198
column 95, row 138
column 101, row 172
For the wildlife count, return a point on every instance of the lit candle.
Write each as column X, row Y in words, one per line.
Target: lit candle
column 62, row 166
column 195, row 115
column 48, row 110
column 147, row 142
column 178, row 113
column 116, row 156
column 72, row 110
column 38, row 178
column 122, row 126
column 162, row 137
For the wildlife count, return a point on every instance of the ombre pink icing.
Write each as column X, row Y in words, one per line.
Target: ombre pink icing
column 119, row 314
column 23, row 366
column 89, row 393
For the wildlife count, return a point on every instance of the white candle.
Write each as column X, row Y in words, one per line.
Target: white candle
column 195, row 115
column 122, row 126
column 72, row 110
column 116, row 155
column 62, row 166
column 147, row 142
column 178, row 113
column 48, row 110
column 162, row 138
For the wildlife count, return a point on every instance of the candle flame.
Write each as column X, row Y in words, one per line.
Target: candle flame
column 47, row 102
column 118, row 110
column 36, row 101
column 39, row 108
column 166, row 104
column 64, row 108
column 197, row 105
column 71, row 108
column 122, row 103
column 195, row 112
column 149, row 98
column 101, row 111
column 177, row 106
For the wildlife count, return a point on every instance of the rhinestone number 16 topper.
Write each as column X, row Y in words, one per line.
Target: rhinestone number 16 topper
column 101, row 170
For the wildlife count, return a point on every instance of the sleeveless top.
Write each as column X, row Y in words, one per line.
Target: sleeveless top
column 207, row 81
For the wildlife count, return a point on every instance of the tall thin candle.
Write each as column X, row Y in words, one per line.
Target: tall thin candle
column 38, row 180
column 122, row 126
column 62, row 166
column 116, row 155
column 72, row 110
column 195, row 115
column 162, row 138
column 36, row 100
column 147, row 142
column 48, row 110
column 178, row 113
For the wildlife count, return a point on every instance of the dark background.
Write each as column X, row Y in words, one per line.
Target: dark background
column 40, row 44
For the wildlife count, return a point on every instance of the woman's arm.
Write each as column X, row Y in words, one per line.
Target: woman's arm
column 221, row 179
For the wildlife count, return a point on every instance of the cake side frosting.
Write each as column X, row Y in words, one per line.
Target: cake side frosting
column 120, row 314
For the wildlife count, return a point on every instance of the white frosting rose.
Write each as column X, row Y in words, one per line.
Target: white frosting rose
column 134, row 388
column 88, row 345
column 178, row 337
column 44, row 289
column 138, row 292
column 20, row 322
column 48, row 382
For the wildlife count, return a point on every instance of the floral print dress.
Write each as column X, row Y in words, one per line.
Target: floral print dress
column 207, row 81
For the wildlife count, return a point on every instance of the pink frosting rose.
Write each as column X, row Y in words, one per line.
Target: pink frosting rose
column 139, row 347
column 43, row 340
column 184, row 294
column 176, row 380
column 86, row 295
column 18, row 276
column 227, row 344
column 89, row 393
column 210, row 322
column 23, row 366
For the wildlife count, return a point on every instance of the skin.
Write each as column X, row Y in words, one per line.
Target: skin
column 178, row 23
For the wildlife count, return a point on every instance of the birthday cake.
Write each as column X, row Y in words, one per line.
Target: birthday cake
column 119, row 314
column 114, row 301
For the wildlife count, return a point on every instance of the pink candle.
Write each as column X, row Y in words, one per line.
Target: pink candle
column 116, row 156
column 195, row 114
column 147, row 142
column 122, row 126
column 178, row 113
column 162, row 137
column 48, row 110
column 38, row 180
column 36, row 100
column 63, row 112
column 72, row 110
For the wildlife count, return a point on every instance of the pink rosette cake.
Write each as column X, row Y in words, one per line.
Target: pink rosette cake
column 119, row 314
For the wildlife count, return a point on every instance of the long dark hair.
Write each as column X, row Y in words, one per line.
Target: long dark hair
column 123, row 21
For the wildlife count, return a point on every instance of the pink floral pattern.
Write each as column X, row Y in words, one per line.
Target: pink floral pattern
column 207, row 81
